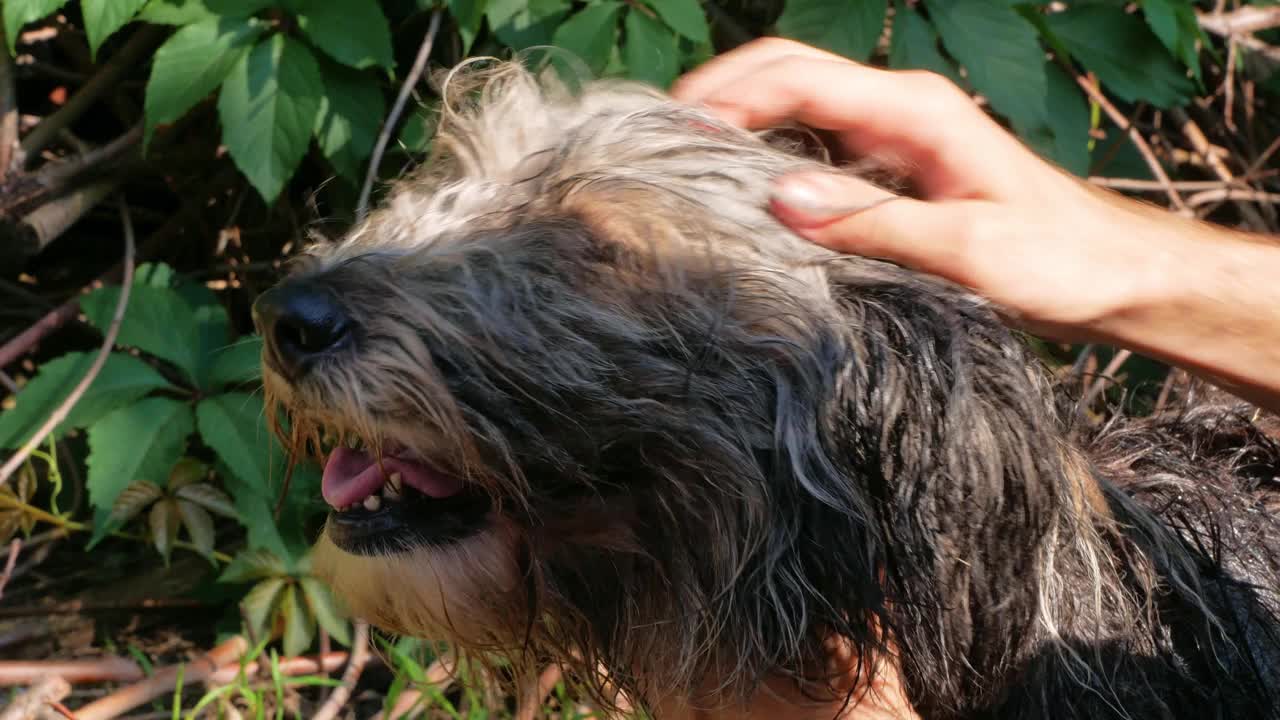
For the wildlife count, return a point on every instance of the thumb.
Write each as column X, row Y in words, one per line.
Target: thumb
column 851, row 215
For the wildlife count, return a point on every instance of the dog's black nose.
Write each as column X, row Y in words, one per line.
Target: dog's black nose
column 299, row 323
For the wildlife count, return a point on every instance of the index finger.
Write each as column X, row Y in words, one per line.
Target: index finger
column 733, row 65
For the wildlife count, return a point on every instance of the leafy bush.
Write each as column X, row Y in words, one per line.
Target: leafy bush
column 176, row 440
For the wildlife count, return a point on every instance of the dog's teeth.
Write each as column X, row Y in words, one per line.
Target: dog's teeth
column 394, row 480
column 372, row 503
column 391, row 492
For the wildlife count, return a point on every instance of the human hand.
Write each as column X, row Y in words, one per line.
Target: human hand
column 1046, row 248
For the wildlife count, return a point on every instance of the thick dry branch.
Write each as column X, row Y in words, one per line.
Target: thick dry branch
column 28, row 705
column 106, row 79
column 289, row 667
column 110, row 669
column 1241, row 21
column 33, row 233
column 163, row 681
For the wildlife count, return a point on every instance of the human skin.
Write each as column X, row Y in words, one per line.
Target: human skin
column 1054, row 254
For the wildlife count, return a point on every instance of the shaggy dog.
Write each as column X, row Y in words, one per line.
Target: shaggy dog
column 582, row 400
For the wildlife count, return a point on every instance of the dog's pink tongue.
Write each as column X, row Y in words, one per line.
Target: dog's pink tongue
column 350, row 476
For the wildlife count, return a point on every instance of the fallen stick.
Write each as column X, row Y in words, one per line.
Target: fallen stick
column 359, row 656
column 111, row 669
column 289, row 667
column 28, row 705
column 163, row 681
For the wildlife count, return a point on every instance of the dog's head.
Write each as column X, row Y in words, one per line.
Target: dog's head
column 580, row 396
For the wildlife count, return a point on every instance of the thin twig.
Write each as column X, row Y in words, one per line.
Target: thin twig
column 1201, row 144
column 1107, row 375
column 27, row 705
column 419, row 65
column 359, row 656
column 60, row 414
column 1247, row 19
column 14, row 547
column 1238, row 195
column 1139, row 142
column 1153, row 186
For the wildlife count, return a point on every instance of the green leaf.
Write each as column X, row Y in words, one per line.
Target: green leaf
column 1003, row 57
column 232, row 424
column 259, row 603
column 134, row 499
column 104, row 17
column 1123, row 52
column 591, row 34
column 349, row 119
column 652, row 51
column 239, row 363
column 685, row 17
column 191, row 64
column 1068, row 117
column 199, row 526
column 165, row 519
column 157, row 321
column 138, row 442
column 188, row 12
column 846, row 27
column 17, row 13
column 353, row 32
column 914, row 45
column 299, row 626
column 522, row 24
column 209, row 498
column 122, row 380
column 468, row 14
column 268, row 107
column 253, row 565
column 324, row 607
column 1175, row 23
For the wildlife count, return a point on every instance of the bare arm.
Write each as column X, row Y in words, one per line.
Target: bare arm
column 1057, row 255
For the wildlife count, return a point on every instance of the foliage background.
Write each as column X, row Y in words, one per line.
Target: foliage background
column 236, row 129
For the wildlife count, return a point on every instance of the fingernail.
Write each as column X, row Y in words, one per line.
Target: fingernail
column 826, row 195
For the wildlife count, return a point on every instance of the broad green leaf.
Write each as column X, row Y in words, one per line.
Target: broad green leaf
column 684, row 16
column 913, row 44
column 1068, row 116
column 199, row 526
column 324, row 608
column 847, row 27
column 165, row 519
column 468, row 14
column 1003, row 57
column 1175, row 23
column 522, row 24
column 191, row 64
column 349, row 119
column 134, row 499
column 188, row 12
column 157, row 321
column 268, row 107
column 259, row 603
column 353, row 32
column 591, row 34
column 232, row 424
column 154, row 274
column 253, row 565
column 122, row 380
column 299, row 626
column 238, row 363
column 138, row 442
column 209, row 498
column 17, row 13
column 1123, row 52
column 652, row 51
column 104, row 17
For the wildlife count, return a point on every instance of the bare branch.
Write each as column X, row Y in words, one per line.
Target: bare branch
column 359, row 656
column 60, row 414
column 419, row 65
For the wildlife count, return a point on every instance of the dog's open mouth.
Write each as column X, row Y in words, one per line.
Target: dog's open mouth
column 396, row 502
